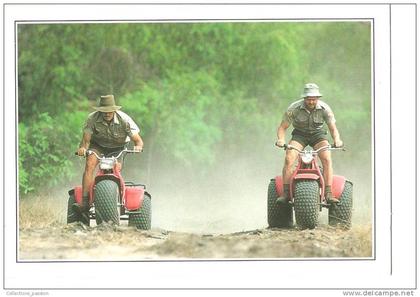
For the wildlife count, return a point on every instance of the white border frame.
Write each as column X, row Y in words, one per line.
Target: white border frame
column 388, row 271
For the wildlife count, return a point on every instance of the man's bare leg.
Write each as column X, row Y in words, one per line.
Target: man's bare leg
column 289, row 161
column 326, row 161
column 91, row 163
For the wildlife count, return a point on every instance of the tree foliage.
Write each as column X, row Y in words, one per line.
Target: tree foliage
column 197, row 90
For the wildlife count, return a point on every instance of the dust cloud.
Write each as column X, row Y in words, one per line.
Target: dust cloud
column 232, row 196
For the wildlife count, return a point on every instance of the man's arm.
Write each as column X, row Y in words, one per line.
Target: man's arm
column 138, row 142
column 84, row 144
column 335, row 134
column 281, row 133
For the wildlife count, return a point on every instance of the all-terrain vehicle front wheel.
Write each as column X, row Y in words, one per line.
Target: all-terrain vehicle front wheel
column 306, row 203
column 106, row 202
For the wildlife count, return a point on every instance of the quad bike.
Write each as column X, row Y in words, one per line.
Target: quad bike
column 307, row 195
column 111, row 198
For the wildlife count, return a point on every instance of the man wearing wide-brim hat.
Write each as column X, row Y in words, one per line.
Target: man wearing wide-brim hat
column 308, row 116
column 106, row 130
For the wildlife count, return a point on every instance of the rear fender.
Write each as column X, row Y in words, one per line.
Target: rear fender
column 134, row 197
column 77, row 193
column 338, row 186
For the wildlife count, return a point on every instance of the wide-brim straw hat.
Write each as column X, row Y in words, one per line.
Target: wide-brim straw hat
column 311, row 90
column 107, row 104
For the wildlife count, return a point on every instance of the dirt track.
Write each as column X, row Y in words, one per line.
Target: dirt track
column 188, row 226
column 106, row 242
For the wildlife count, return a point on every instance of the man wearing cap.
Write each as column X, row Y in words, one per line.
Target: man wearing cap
column 308, row 116
column 106, row 130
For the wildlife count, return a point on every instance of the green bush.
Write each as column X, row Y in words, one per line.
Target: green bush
column 45, row 150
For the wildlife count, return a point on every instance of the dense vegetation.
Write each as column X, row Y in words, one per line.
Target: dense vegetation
column 199, row 91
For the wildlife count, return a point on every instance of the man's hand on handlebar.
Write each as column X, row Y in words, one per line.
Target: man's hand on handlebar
column 280, row 143
column 338, row 144
column 138, row 148
column 81, row 151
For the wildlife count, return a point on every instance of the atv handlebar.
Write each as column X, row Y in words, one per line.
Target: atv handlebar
column 127, row 151
column 326, row 147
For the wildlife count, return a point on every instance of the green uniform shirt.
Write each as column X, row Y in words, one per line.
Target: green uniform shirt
column 115, row 134
column 306, row 121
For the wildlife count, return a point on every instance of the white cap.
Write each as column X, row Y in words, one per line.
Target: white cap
column 311, row 90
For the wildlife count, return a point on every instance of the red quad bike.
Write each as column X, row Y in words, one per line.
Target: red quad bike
column 307, row 195
column 111, row 198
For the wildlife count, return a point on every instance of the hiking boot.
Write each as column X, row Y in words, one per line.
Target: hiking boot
column 282, row 200
column 77, row 207
column 83, row 210
column 331, row 200
column 84, row 207
column 286, row 197
column 329, row 197
column 85, row 218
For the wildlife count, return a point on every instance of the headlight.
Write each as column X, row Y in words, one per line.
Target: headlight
column 106, row 164
column 307, row 158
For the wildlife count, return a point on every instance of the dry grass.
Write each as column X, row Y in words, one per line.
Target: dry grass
column 363, row 239
column 41, row 211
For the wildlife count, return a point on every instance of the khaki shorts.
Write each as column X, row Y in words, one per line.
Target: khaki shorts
column 309, row 138
column 105, row 150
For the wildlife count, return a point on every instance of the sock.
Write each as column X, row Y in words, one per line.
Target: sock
column 85, row 201
column 328, row 189
column 286, row 193
column 328, row 193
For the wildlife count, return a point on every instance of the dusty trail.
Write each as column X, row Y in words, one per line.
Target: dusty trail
column 106, row 242
column 194, row 222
